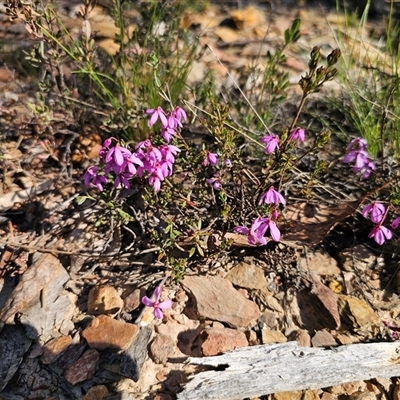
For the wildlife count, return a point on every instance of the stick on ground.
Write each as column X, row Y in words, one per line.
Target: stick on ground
column 260, row 370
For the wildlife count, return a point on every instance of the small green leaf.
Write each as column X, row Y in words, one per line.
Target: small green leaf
column 81, row 199
column 191, row 252
column 200, row 250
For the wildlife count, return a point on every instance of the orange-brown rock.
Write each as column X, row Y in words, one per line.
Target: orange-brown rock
column 53, row 349
column 220, row 340
column 104, row 300
column 107, row 333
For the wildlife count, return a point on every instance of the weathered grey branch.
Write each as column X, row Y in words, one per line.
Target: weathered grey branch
column 260, row 370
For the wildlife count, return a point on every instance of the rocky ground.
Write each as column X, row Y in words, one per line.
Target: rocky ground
column 72, row 323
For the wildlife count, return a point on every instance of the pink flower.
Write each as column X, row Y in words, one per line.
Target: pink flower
column 156, row 303
column 377, row 211
column 168, row 133
column 157, row 174
column 174, row 120
column 297, row 134
column 215, row 182
column 227, row 163
column 366, row 169
column 359, row 156
column 211, row 159
column 275, row 214
column 179, row 113
column 396, row 223
column 271, row 142
column 271, row 196
column 121, row 179
column 357, row 143
column 168, row 153
column 117, row 154
column 157, row 113
column 380, row 233
column 274, row 231
column 94, row 176
column 129, row 163
column 255, row 235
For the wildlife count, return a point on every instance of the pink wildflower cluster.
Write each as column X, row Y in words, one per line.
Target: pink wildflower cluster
column 377, row 213
column 212, row 160
column 262, row 225
column 170, row 122
column 356, row 152
column 145, row 161
column 272, row 141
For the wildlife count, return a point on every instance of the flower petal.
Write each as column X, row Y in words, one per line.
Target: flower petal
column 158, row 313
column 157, row 294
column 275, row 232
column 165, row 304
column 147, row 302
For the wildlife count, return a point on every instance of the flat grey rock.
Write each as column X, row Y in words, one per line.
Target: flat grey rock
column 13, row 346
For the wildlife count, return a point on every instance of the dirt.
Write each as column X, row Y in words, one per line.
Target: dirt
column 72, row 322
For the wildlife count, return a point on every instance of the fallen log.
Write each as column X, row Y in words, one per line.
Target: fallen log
column 265, row 369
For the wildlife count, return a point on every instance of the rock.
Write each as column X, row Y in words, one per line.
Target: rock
column 217, row 324
column 162, row 348
column 40, row 298
column 73, row 353
column 174, row 329
column 384, row 383
column 227, row 35
column 42, row 319
column 248, row 18
column 174, row 381
column 358, row 257
column 183, row 335
column 216, row 299
column 319, row 263
column 250, row 277
column 323, row 339
column 6, row 75
column 302, row 337
column 104, row 300
column 356, row 313
column 13, row 345
column 328, row 396
column 247, row 276
column 129, row 362
column 122, row 395
column 216, row 340
column 133, row 300
column 96, row 393
column 134, row 356
column 363, row 396
column 318, row 307
column 82, row 369
column 347, row 338
column 163, row 396
column 107, row 333
column 252, row 337
column 396, row 391
column 354, row 387
column 295, row 395
column 311, row 395
column 270, row 336
column 269, row 319
column 54, row 348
